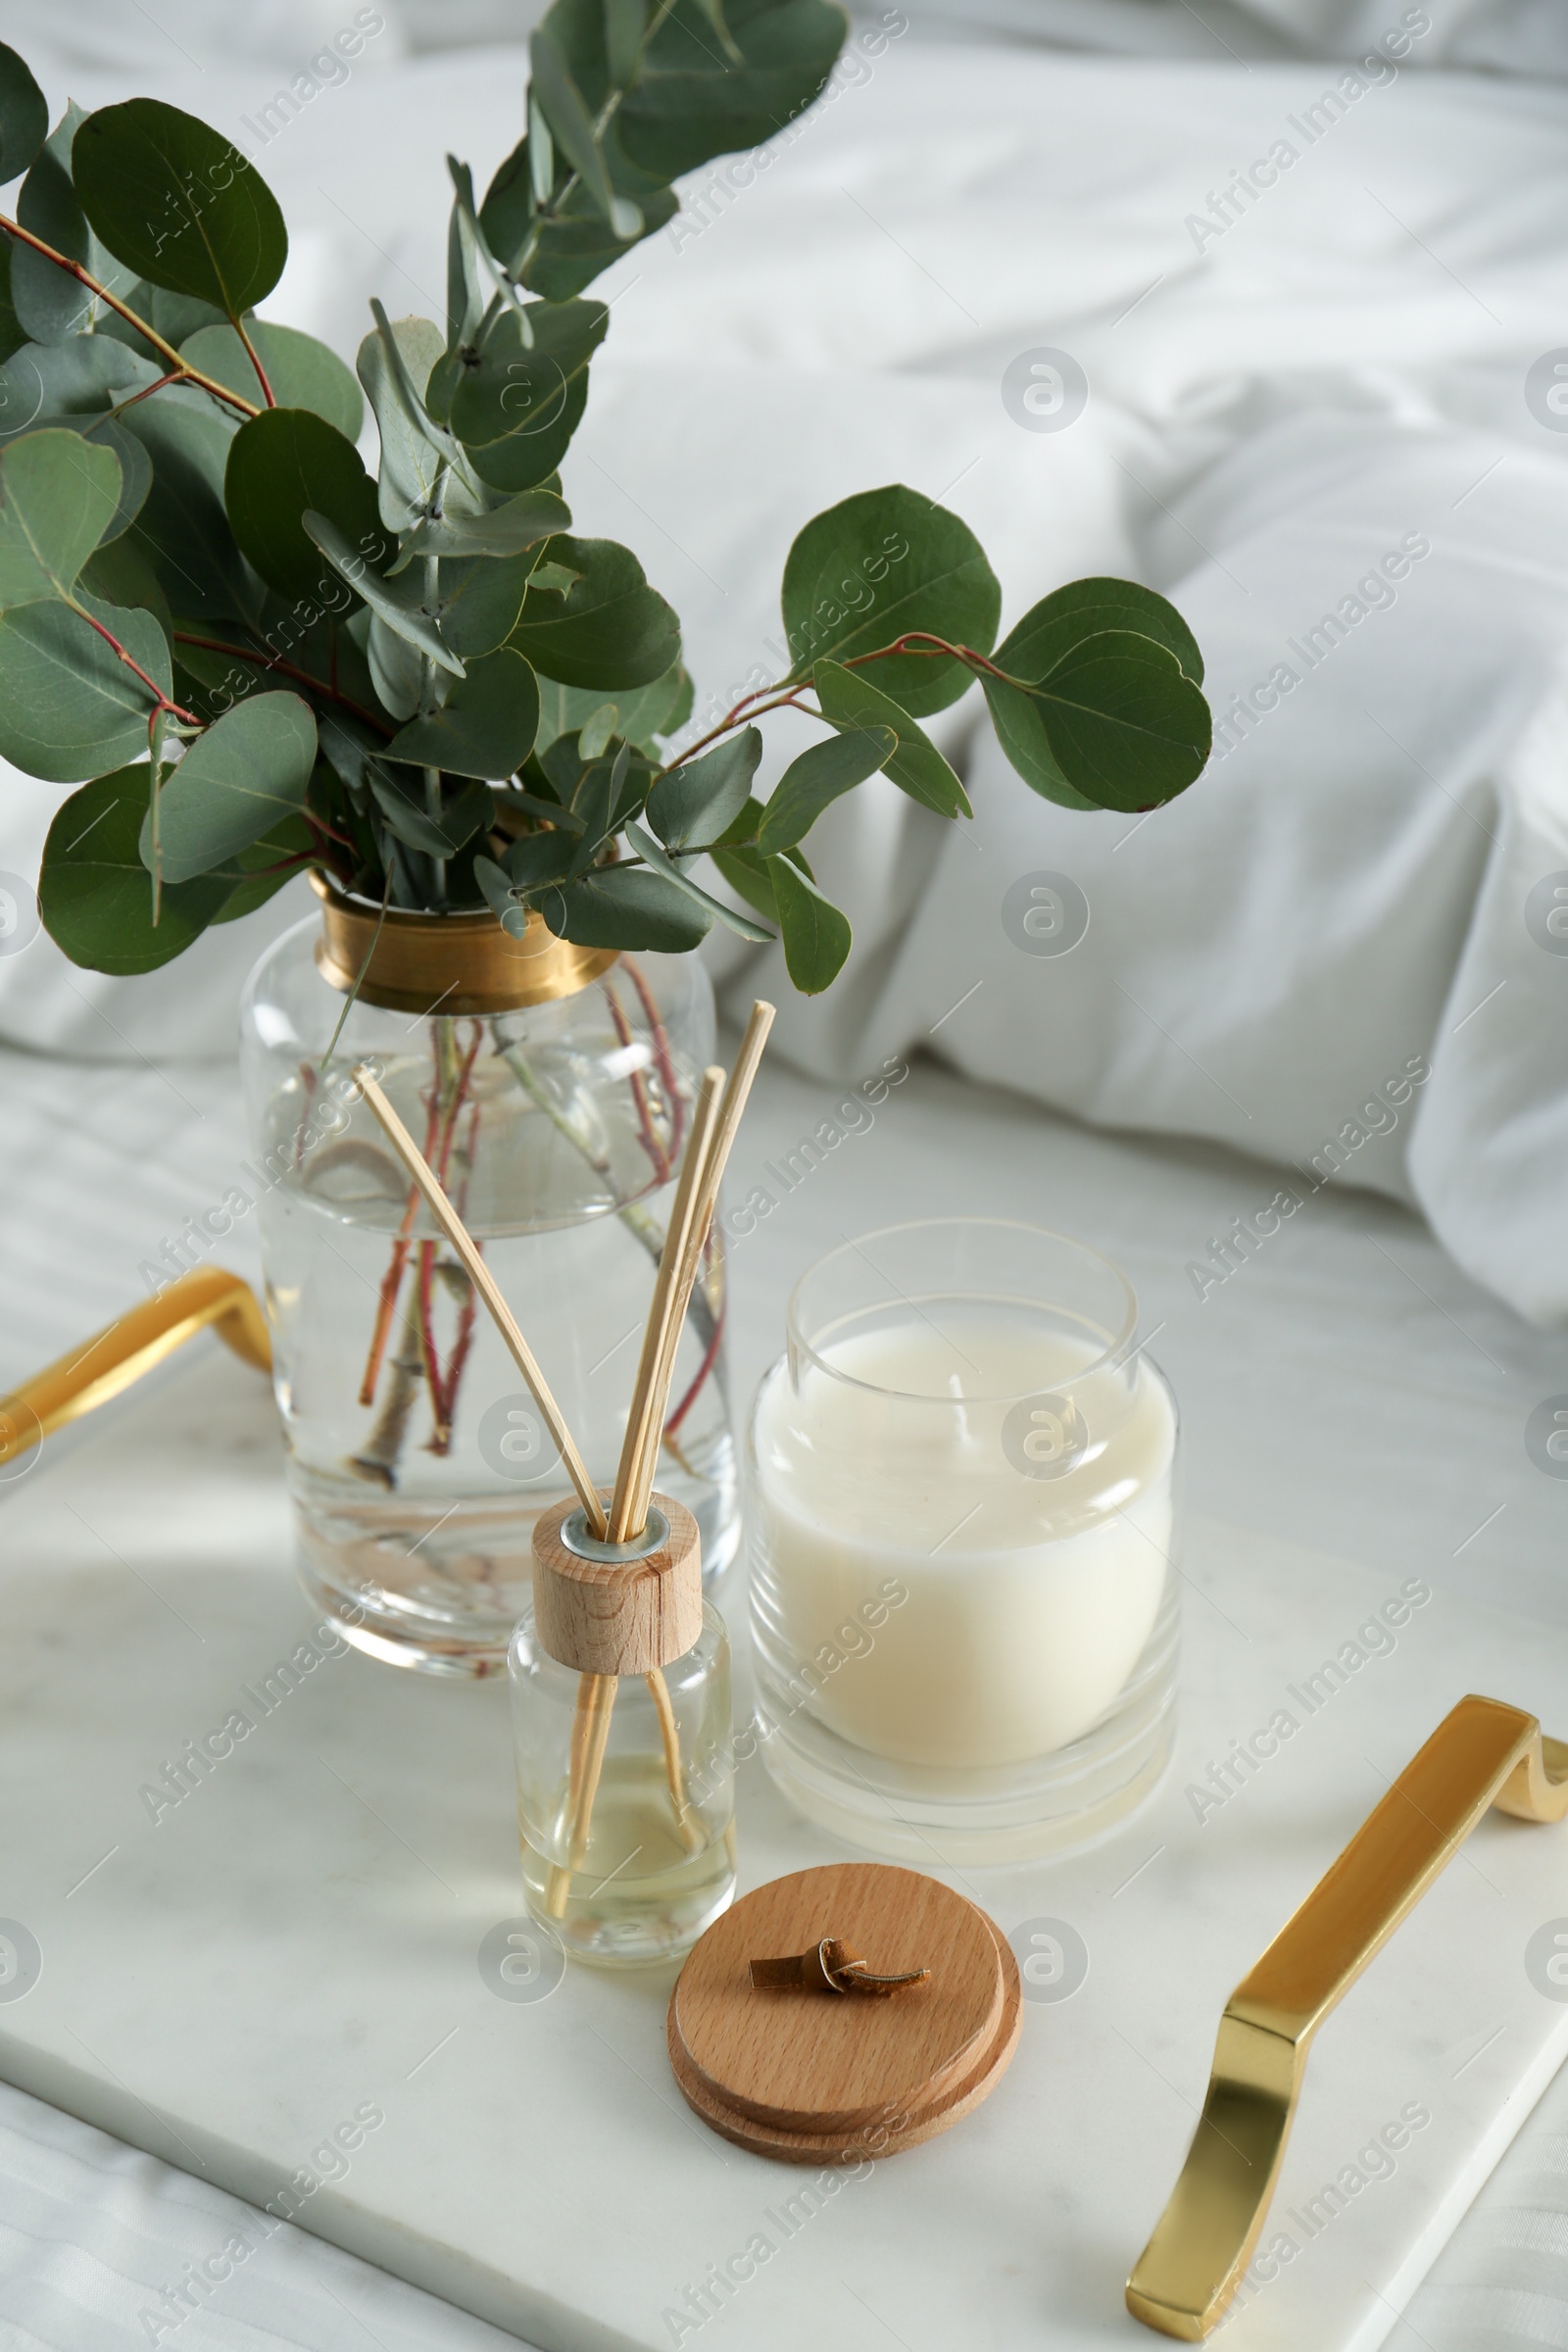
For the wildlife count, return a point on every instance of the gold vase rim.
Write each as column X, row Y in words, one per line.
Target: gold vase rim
column 405, row 960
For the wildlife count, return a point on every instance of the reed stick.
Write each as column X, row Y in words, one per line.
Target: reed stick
column 484, row 1282
column 683, row 1209
column 595, row 1698
column 674, row 1771
column 665, row 1334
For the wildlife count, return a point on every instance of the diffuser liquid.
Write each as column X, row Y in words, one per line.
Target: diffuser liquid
column 640, row 1892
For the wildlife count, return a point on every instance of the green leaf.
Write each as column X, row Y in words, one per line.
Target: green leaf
column 401, row 800
column 816, row 936
column 511, row 529
column 396, row 669
column 818, row 778
column 398, row 603
column 467, row 286
column 13, row 334
column 848, row 699
column 517, row 408
column 572, row 129
column 24, row 115
column 184, row 530
column 57, row 498
column 135, row 466
column 691, row 101
column 78, row 377
column 394, row 364
column 479, row 599
column 259, row 873
column 694, row 803
column 251, row 769
column 486, row 726
column 1120, row 723
column 1082, row 608
column 748, row 876
column 302, row 372
column 179, row 204
column 121, row 574
column 877, row 567
column 68, row 707
column 715, row 909
column 609, row 629
column 282, row 465
column 95, row 894
column 626, row 906
column 539, row 857
column 50, row 303
column 567, row 247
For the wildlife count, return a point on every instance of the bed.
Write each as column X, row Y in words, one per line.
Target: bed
column 1284, row 389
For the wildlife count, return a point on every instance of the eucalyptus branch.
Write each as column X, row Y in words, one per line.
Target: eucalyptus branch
column 180, row 369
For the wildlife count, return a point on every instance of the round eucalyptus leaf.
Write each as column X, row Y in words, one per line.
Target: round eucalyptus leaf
column 878, row 566
column 516, row 406
column 485, row 727
column 1124, row 726
column 179, row 204
column 1034, row 646
column 95, row 894
column 24, row 115
column 303, row 374
column 282, row 465
column 698, row 802
column 78, row 377
column 608, row 629
column 625, row 907
column 49, row 302
column 693, row 99
column 69, row 708
column 246, row 773
column 57, row 498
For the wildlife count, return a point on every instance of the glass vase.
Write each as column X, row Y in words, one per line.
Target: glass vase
column 549, row 1086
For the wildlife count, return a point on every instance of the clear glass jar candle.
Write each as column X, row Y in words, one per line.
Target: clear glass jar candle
column 962, row 1518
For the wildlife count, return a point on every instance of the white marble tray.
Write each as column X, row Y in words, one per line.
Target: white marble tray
column 297, row 1945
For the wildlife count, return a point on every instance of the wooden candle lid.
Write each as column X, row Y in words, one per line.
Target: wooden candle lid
column 817, row 2077
column 618, row 1608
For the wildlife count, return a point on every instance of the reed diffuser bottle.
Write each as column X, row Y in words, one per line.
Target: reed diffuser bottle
column 619, row 1673
column 620, row 1722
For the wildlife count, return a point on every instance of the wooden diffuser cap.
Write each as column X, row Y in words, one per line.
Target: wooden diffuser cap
column 818, row 2077
column 627, row 1613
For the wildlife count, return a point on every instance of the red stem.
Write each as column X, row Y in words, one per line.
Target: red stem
column 85, row 278
column 709, row 1357
column 154, row 689
column 634, row 1078
column 666, row 1067
column 267, row 393
column 243, row 652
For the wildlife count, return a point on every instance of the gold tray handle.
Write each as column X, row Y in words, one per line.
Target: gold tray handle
column 1482, row 1754
column 129, row 1346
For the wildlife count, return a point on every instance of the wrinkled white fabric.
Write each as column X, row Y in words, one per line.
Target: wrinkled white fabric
column 1280, row 392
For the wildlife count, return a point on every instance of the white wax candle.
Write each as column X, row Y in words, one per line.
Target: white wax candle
column 1029, row 1600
